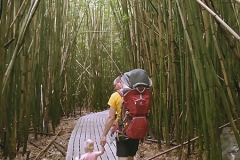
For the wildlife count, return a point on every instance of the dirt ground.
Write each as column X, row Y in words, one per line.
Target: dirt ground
column 54, row 146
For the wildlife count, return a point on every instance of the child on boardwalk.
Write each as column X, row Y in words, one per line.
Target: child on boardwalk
column 90, row 154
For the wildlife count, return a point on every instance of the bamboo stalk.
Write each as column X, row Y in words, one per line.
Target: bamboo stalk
column 22, row 32
column 222, row 23
column 22, row 7
column 220, row 20
column 173, row 148
column 176, row 147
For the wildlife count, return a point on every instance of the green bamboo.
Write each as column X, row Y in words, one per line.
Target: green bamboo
column 57, row 57
column 22, row 32
column 198, row 80
column 3, row 39
column 173, row 78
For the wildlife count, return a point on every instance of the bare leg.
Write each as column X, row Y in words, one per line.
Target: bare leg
column 125, row 158
column 122, row 158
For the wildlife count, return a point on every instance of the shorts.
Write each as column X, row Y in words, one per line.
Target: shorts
column 127, row 147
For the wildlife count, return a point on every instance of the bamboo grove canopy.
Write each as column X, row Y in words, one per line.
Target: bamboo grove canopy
column 57, row 56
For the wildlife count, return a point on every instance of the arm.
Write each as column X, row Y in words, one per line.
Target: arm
column 109, row 122
column 99, row 153
column 82, row 157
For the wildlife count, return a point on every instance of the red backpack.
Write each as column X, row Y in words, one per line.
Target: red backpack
column 135, row 107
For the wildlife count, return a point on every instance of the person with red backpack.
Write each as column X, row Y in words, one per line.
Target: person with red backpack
column 127, row 149
column 131, row 93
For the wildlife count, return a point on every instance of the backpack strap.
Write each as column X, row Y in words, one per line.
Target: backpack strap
column 122, row 105
column 120, row 120
column 122, row 92
column 123, row 117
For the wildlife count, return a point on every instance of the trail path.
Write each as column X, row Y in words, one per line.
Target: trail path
column 90, row 126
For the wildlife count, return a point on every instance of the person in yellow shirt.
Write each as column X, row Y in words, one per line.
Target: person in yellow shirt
column 126, row 149
column 115, row 99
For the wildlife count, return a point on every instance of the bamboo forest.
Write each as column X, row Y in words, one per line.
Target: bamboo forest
column 57, row 56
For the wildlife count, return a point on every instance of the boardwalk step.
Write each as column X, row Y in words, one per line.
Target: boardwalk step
column 90, row 126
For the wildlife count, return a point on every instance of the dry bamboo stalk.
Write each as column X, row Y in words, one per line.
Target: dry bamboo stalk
column 47, row 145
column 60, row 148
column 23, row 6
column 173, row 148
column 35, row 145
column 157, row 155
column 219, row 20
column 111, row 59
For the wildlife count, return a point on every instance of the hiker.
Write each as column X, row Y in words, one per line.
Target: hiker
column 117, row 84
column 126, row 150
column 90, row 154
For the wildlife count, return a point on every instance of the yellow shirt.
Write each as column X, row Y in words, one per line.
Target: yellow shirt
column 115, row 101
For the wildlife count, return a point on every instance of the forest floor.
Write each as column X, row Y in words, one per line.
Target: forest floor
column 54, row 146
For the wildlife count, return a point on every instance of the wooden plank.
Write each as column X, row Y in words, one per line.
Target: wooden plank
column 90, row 126
column 84, row 134
column 76, row 144
column 110, row 152
column 98, row 133
column 71, row 141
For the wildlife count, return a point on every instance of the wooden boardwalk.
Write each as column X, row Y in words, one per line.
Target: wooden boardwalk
column 90, row 126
